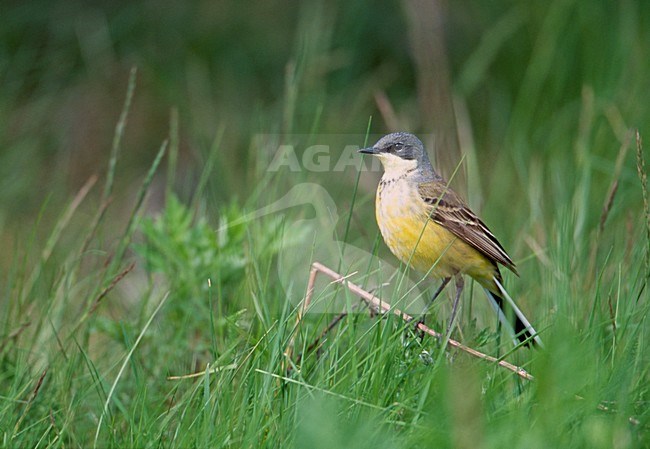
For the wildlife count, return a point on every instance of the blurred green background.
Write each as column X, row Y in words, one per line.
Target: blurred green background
column 520, row 69
column 537, row 99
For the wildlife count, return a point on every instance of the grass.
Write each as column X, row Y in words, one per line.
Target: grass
column 125, row 328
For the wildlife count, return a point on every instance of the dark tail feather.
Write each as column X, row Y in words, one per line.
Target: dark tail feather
column 521, row 327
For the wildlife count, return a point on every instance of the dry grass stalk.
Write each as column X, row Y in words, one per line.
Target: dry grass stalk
column 110, row 287
column 384, row 307
column 609, row 200
column 30, row 402
column 643, row 176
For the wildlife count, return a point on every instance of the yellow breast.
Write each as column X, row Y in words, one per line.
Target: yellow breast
column 426, row 246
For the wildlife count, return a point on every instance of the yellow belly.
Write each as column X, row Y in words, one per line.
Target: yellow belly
column 423, row 244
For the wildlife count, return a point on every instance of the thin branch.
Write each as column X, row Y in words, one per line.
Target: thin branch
column 385, row 307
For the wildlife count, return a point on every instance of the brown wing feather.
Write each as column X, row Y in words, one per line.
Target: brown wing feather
column 449, row 211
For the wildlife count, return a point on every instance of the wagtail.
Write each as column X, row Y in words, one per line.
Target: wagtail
column 431, row 229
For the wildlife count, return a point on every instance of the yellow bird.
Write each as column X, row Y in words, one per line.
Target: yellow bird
column 430, row 228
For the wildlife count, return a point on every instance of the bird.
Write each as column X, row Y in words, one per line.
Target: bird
column 430, row 228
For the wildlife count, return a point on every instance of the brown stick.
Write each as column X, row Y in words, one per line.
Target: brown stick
column 383, row 306
column 305, row 304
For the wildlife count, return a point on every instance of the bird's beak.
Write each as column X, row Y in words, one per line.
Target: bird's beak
column 369, row 150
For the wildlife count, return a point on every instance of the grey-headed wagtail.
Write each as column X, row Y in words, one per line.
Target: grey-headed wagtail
column 430, row 228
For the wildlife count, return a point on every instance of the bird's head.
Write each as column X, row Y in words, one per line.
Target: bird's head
column 400, row 152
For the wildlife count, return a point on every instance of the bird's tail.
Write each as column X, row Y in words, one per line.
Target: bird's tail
column 522, row 328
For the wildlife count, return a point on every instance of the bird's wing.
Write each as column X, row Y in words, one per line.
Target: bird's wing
column 449, row 211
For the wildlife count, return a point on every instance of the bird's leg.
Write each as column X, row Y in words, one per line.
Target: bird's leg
column 459, row 289
column 444, row 283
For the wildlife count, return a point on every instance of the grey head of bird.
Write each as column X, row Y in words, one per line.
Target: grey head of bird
column 399, row 152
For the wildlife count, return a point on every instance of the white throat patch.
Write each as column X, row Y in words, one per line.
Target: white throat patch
column 395, row 166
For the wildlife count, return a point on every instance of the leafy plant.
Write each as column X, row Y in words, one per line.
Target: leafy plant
column 188, row 251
